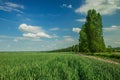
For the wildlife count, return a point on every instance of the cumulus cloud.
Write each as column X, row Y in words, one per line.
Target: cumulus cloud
column 81, row 20
column 9, row 7
column 77, row 30
column 67, row 6
column 33, row 31
column 112, row 28
column 54, row 29
column 105, row 7
column 28, row 28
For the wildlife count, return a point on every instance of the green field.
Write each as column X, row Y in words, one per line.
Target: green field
column 54, row 66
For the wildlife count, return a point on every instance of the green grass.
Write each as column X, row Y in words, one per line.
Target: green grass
column 54, row 66
column 115, row 56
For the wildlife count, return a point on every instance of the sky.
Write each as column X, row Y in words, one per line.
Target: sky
column 40, row 25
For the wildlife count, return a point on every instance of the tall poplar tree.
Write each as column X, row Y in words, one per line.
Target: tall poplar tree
column 91, row 34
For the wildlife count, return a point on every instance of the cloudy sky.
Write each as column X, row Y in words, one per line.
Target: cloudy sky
column 39, row 25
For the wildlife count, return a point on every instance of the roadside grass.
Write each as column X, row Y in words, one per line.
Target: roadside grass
column 115, row 56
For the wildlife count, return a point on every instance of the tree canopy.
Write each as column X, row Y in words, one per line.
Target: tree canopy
column 91, row 34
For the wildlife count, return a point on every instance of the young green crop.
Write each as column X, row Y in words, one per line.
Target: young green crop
column 54, row 66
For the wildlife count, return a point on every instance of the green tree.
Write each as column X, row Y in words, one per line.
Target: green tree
column 91, row 34
column 109, row 49
column 83, row 41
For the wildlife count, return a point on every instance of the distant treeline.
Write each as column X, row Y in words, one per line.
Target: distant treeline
column 75, row 48
column 117, row 49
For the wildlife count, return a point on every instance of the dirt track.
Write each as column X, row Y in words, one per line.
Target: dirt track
column 101, row 59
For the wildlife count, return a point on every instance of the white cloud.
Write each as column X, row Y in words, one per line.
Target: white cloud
column 30, row 35
column 70, row 6
column 29, row 29
column 7, row 20
column 28, row 38
column 77, row 30
column 15, row 40
column 81, row 20
column 67, row 6
column 9, row 7
column 10, row 4
column 54, row 36
column 112, row 35
column 105, row 7
column 8, row 46
column 117, row 42
column 54, row 29
column 33, row 31
column 68, row 38
column 112, row 28
column 3, row 36
column 27, row 19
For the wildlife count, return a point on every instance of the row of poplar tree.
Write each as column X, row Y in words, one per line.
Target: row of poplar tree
column 90, row 36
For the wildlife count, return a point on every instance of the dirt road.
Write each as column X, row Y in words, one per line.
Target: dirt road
column 101, row 59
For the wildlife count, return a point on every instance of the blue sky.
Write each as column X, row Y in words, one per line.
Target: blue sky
column 39, row 25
